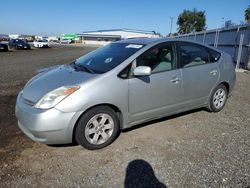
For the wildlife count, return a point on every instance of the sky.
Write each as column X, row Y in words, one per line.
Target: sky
column 54, row 17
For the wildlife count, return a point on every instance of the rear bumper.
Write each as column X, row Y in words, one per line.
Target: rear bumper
column 42, row 45
column 45, row 126
column 232, row 82
column 46, row 45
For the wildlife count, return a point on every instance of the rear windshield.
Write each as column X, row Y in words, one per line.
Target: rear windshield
column 108, row 57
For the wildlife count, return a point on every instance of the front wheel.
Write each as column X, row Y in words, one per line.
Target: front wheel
column 218, row 98
column 97, row 128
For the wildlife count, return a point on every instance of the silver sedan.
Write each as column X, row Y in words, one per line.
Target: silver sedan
column 121, row 85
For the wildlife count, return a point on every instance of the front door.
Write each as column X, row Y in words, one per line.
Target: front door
column 160, row 93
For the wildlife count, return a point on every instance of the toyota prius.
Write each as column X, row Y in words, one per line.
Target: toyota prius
column 125, row 83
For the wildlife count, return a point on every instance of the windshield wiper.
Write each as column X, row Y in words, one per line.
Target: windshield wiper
column 82, row 68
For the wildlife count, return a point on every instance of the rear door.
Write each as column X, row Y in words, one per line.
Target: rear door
column 198, row 72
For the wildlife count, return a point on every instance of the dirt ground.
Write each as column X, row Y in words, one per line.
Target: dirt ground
column 193, row 149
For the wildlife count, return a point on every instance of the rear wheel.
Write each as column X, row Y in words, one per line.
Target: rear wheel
column 218, row 98
column 97, row 128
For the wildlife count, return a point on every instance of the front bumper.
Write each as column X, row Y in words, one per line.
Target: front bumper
column 3, row 48
column 46, row 126
column 23, row 47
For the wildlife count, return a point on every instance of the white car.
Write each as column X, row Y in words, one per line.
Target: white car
column 41, row 44
column 66, row 41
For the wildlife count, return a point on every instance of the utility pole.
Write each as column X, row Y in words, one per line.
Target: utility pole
column 171, row 25
column 222, row 22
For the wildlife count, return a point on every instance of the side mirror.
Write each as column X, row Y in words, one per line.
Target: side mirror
column 142, row 71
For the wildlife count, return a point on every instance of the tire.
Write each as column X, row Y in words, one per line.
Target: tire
column 218, row 98
column 92, row 128
column 6, row 49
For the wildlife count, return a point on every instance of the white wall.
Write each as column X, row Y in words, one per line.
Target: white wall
column 14, row 36
column 52, row 38
column 101, row 43
column 125, row 34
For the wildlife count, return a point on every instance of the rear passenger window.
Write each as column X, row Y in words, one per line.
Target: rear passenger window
column 192, row 55
column 214, row 56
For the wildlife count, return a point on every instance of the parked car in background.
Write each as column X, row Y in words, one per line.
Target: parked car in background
column 121, row 85
column 18, row 44
column 41, row 43
column 65, row 41
column 3, row 47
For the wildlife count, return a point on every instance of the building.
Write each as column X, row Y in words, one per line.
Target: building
column 29, row 38
column 72, row 37
column 103, row 37
column 52, row 38
column 14, row 36
column 4, row 37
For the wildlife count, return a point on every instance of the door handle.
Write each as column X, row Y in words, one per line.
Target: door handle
column 175, row 80
column 213, row 72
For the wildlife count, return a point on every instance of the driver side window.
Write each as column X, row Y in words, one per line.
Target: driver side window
column 159, row 58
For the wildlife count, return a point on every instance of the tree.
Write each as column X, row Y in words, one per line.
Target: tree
column 172, row 34
column 247, row 15
column 189, row 21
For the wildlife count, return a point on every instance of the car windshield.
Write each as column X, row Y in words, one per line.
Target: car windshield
column 104, row 59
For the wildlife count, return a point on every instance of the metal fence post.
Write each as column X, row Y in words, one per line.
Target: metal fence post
column 239, row 51
column 204, row 37
column 216, row 38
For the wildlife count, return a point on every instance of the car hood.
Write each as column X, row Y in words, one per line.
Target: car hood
column 52, row 79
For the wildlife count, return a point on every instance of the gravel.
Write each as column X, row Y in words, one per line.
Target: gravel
column 192, row 149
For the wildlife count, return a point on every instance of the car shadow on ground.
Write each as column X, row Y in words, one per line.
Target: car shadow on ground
column 151, row 122
column 63, row 145
column 138, row 126
column 139, row 173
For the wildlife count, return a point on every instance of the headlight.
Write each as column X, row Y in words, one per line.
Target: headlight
column 52, row 98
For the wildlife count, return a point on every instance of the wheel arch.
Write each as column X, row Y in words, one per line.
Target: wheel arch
column 114, row 107
column 226, row 84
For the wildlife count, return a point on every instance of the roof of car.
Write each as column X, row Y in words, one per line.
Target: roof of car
column 147, row 41
column 144, row 41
